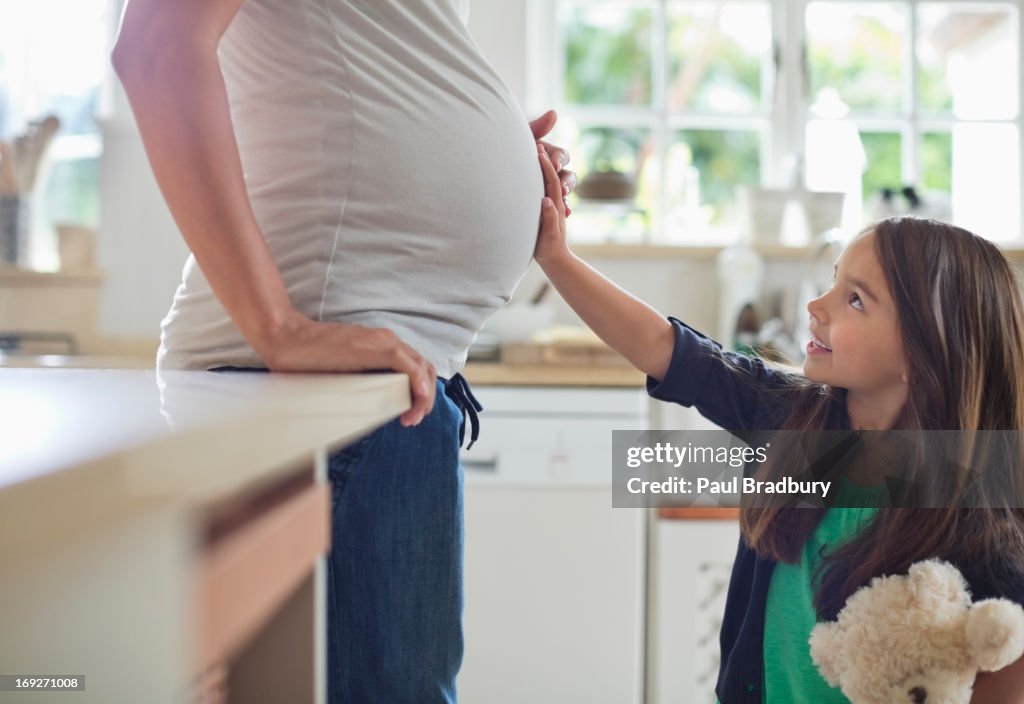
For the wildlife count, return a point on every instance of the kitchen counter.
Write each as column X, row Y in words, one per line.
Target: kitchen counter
column 497, row 374
column 132, row 437
column 483, row 373
column 157, row 529
column 74, row 361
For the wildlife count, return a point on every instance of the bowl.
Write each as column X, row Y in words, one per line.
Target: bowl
column 517, row 322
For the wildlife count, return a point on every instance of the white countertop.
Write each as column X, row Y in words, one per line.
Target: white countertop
column 81, row 444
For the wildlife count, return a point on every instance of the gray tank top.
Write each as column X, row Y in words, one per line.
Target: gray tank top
column 392, row 173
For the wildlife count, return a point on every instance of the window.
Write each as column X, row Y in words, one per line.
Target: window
column 53, row 58
column 672, row 107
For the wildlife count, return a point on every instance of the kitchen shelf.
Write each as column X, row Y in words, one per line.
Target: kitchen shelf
column 496, row 374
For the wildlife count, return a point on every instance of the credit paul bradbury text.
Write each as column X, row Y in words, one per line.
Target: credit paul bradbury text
column 813, row 469
column 732, row 456
column 736, row 485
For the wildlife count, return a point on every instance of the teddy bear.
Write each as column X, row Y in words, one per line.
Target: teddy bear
column 916, row 639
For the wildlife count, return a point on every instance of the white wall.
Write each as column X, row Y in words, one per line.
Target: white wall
column 139, row 246
column 499, row 28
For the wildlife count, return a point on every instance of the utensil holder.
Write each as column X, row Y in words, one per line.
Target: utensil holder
column 15, row 225
column 76, row 246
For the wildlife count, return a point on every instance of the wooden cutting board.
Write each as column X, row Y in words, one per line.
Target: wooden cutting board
column 563, row 353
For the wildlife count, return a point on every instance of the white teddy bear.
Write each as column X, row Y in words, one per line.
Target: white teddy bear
column 916, row 639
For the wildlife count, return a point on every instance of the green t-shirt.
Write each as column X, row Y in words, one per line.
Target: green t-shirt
column 789, row 672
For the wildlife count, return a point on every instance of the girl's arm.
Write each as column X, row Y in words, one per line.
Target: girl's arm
column 1003, row 687
column 631, row 327
column 166, row 57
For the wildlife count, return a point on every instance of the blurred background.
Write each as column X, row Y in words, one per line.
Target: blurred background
column 693, row 125
column 726, row 150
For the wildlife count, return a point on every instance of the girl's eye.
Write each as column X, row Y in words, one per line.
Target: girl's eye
column 856, row 302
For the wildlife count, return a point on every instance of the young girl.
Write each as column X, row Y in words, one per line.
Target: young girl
column 924, row 330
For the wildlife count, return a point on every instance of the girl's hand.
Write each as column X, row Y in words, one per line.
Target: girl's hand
column 551, row 242
column 559, row 157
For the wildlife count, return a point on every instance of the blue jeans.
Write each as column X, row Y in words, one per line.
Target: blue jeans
column 394, row 577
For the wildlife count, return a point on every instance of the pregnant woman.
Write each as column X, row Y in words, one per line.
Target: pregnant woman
column 359, row 191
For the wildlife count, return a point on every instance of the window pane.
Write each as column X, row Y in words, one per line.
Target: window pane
column 703, row 171
column 934, row 187
column 937, row 162
column 615, row 195
column 72, row 192
column 52, row 58
column 883, row 151
column 719, row 54
column 857, row 49
column 610, row 148
column 986, row 180
column 968, row 60
column 834, row 162
column 607, row 52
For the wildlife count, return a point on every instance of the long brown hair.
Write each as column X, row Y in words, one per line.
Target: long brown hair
column 961, row 319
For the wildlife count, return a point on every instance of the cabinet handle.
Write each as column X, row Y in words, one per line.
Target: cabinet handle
column 487, row 464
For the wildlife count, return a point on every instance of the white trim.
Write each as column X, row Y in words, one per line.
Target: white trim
column 1020, row 121
column 910, row 157
column 543, row 56
column 661, row 134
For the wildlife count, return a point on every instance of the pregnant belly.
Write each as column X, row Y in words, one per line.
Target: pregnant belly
column 460, row 189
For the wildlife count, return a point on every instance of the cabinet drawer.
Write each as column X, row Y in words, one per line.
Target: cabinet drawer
column 525, row 451
column 245, row 575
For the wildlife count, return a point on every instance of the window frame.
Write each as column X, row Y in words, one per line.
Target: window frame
column 785, row 114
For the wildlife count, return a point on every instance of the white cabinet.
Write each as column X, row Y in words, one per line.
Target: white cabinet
column 692, row 561
column 688, row 576
column 555, row 577
column 567, row 598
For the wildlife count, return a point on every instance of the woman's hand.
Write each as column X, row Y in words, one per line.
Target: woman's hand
column 559, row 157
column 304, row 345
column 551, row 242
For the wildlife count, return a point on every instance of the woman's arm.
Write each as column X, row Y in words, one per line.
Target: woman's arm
column 166, row 57
column 630, row 326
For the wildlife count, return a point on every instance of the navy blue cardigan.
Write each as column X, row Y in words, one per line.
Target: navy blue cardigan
column 698, row 377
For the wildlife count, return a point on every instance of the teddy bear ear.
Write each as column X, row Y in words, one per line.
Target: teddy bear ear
column 995, row 633
column 825, row 651
column 934, row 583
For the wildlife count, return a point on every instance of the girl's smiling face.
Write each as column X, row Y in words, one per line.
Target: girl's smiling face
column 856, row 342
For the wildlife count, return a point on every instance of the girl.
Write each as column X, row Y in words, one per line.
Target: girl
column 923, row 330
